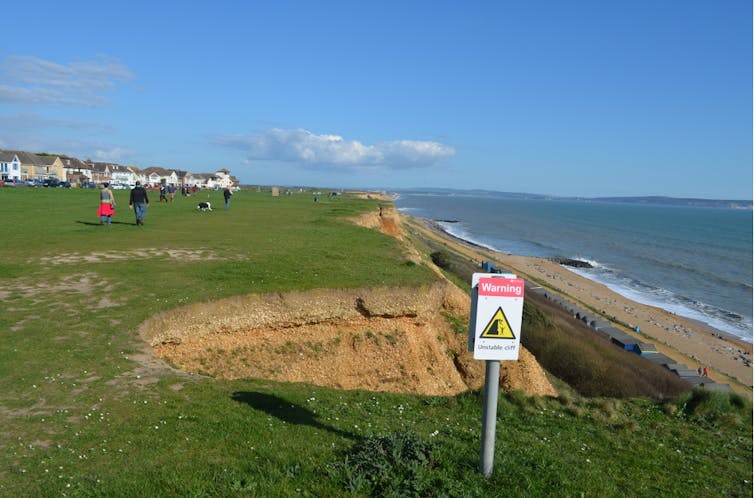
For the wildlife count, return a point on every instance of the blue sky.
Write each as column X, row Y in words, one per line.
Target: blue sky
column 585, row 98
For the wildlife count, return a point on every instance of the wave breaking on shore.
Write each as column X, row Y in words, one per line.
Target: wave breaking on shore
column 720, row 321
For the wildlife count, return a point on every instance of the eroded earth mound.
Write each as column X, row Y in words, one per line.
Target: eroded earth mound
column 384, row 339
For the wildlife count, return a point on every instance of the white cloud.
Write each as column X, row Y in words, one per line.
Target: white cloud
column 113, row 154
column 306, row 148
column 31, row 80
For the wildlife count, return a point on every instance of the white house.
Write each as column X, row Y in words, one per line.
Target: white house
column 155, row 175
column 219, row 179
column 10, row 166
column 126, row 175
column 200, row 179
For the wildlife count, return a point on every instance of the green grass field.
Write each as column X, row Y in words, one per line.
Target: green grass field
column 80, row 417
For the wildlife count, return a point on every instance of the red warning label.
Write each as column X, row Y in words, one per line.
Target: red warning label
column 502, row 287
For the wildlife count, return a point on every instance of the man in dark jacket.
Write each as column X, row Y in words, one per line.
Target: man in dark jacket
column 226, row 195
column 139, row 201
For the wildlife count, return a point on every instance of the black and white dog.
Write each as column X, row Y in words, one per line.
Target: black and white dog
column 204, row 206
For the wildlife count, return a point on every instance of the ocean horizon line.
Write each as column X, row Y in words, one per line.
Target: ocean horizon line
column 658, row 200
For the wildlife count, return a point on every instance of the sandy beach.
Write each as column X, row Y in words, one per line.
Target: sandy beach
column 687, row 341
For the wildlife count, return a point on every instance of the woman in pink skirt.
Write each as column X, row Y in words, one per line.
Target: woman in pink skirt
column 106, row 205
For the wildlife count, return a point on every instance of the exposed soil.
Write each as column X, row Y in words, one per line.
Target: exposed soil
column 388, row 339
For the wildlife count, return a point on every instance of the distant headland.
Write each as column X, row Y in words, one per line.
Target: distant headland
column 648, row 200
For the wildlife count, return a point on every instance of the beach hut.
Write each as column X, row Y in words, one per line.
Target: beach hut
column 488, row 267
column 659, row 359
column 644, row 348
column 581, row 314
column 694, row 380
column 603, row 333
column 624, row 342
column 610, row 331
column 682, row 371
column 621, row 339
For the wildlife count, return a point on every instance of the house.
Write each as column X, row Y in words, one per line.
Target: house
column 49, row 166
column 218, row 180
column 31, row 166
column 117, row 174
column 100, row 171
column 223, row 179
column 125, row 175
column 200, row 179
column 185, row 178
column 155, row 175
column 10, row 165
column 76, row 170
column 22, row 165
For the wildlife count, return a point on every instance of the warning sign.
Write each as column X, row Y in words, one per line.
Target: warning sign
column 497, row 303
column 498, row 328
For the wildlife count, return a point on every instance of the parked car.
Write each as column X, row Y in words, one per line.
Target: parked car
column 88, row 185
column 64, row 184
column 50, row 182
column 12, row 182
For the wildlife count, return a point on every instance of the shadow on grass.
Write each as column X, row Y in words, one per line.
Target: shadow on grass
column 287, row 412
column 97, row 223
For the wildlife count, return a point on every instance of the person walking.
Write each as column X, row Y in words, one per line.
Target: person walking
column 139, row 202
column 106, row 205
column 227, row 195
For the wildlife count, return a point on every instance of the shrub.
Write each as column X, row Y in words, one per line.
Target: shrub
column 711, row 405
column 441, row 259
column 534, row 317
column 394, row 465
column 459, row 325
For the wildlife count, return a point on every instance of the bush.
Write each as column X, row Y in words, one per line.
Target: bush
column 441, row 259
column 534, row 317
column 711, row 405
column 394, row 465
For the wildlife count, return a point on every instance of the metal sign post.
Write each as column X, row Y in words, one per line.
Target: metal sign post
column 497, row 302
column 489, row 416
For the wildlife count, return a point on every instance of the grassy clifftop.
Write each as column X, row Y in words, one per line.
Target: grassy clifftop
column 86, row 410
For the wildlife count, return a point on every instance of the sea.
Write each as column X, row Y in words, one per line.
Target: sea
column 695, row 262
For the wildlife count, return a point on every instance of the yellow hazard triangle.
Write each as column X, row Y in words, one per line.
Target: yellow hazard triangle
column 498, row 328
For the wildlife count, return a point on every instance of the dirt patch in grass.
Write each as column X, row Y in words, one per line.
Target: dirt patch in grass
column 136, row 254
column 386, row 339
column 69, row 293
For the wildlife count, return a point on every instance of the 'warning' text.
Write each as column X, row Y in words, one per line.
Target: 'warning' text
column 501, row 287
